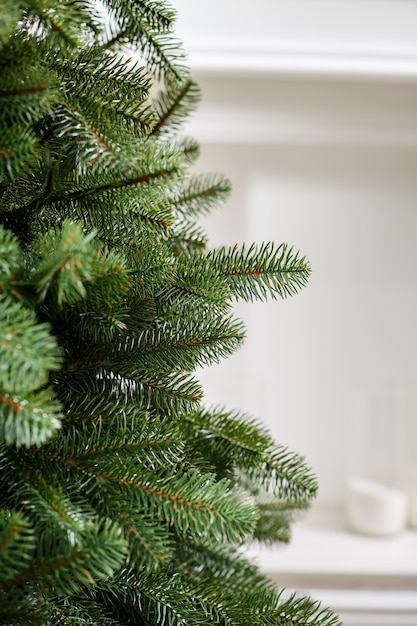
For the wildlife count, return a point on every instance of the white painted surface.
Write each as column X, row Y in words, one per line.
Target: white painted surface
column 310, row 365
column 322, row 546
column 365, row 608
column 302, row 112
column 328, row 37
column 310, row 107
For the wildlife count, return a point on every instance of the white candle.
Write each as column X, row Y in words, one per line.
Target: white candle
column 374, row 509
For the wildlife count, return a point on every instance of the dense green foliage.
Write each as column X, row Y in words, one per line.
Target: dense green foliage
column 123, row 499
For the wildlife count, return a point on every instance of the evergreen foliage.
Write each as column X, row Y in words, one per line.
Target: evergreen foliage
column 123, row 499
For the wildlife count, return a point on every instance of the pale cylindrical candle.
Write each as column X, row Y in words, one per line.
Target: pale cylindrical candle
column 374, row 509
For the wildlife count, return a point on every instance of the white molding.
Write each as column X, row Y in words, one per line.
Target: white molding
column 371, row 608
column 300, row 59
column 331, row 38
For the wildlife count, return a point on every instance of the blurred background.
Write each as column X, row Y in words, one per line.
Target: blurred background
column 310, row 108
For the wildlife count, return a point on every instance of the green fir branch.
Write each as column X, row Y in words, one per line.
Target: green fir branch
column 171, row 346
column 166, row 600
column 188, row 147
column 61, row 30
column 80, row 610
column 172, row 391
column 169, row 599
column 187, row 240
column 52, row 512
column 27, row 93
column 195, row 284
column 70, row 260
column 87, row 143
column 174, row 105
column 102, row 86
column 274, row 524
column 156, row 14
column 147, row 26
column 191, row 502
column 261, row 271
column 225, row 566
column 284, row 474
column 10, row 256
column 28, row 351
column 29, row 419
column 150, row 542
column 162, row 390
column 17, row 544
column 297, row 611
column 232, row 426
column 198, row 195
column 154, row 599
column 134, row 437
column 139, row 222
column 110, row 177
column 238, row 446
column 164, row 56
column 18, row 151
column 229, row 441
column 10, row 14
column 64, row 572
column 123, row 500
column 20, row 608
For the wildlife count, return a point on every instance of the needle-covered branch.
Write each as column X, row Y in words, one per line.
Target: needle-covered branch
column 259, row 272
column 124, row 501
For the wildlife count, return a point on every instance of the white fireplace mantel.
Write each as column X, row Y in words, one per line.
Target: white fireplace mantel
column 369, row 581
column 333, row 38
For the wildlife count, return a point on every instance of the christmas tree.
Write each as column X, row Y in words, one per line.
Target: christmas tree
column 124, row 500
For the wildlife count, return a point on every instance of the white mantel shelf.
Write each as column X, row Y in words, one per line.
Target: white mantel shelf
column 367, row 581
column 324, row 553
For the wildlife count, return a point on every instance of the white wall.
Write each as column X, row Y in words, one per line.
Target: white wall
column 310, row 109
